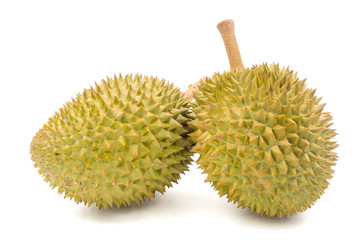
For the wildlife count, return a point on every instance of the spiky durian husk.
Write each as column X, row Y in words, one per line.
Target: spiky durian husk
column 264, row 140
column 117, row 143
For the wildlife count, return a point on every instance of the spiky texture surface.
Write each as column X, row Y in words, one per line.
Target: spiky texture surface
column 264, row 140
column 116, row 143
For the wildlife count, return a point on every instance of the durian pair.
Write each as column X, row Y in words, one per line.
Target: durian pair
column 263, row 138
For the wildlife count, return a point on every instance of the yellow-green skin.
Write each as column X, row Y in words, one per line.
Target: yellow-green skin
column 264, row 140
column 117, row 143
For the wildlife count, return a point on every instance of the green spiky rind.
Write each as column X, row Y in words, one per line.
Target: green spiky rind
column 116, row 143
column 264, row 140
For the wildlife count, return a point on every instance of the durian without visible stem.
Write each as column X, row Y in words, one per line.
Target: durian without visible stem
column 264, row 140
column 116, row 143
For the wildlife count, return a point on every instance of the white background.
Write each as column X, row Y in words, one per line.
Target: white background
column 50, row 50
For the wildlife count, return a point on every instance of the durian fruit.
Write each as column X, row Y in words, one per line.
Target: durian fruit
column 264, row 139
column 117, row 143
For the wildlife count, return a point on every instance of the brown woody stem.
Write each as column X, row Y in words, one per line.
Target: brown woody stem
column 226, row 29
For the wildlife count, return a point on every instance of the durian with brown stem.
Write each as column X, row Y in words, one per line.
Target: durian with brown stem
column 264, row 139
column 116, row 143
